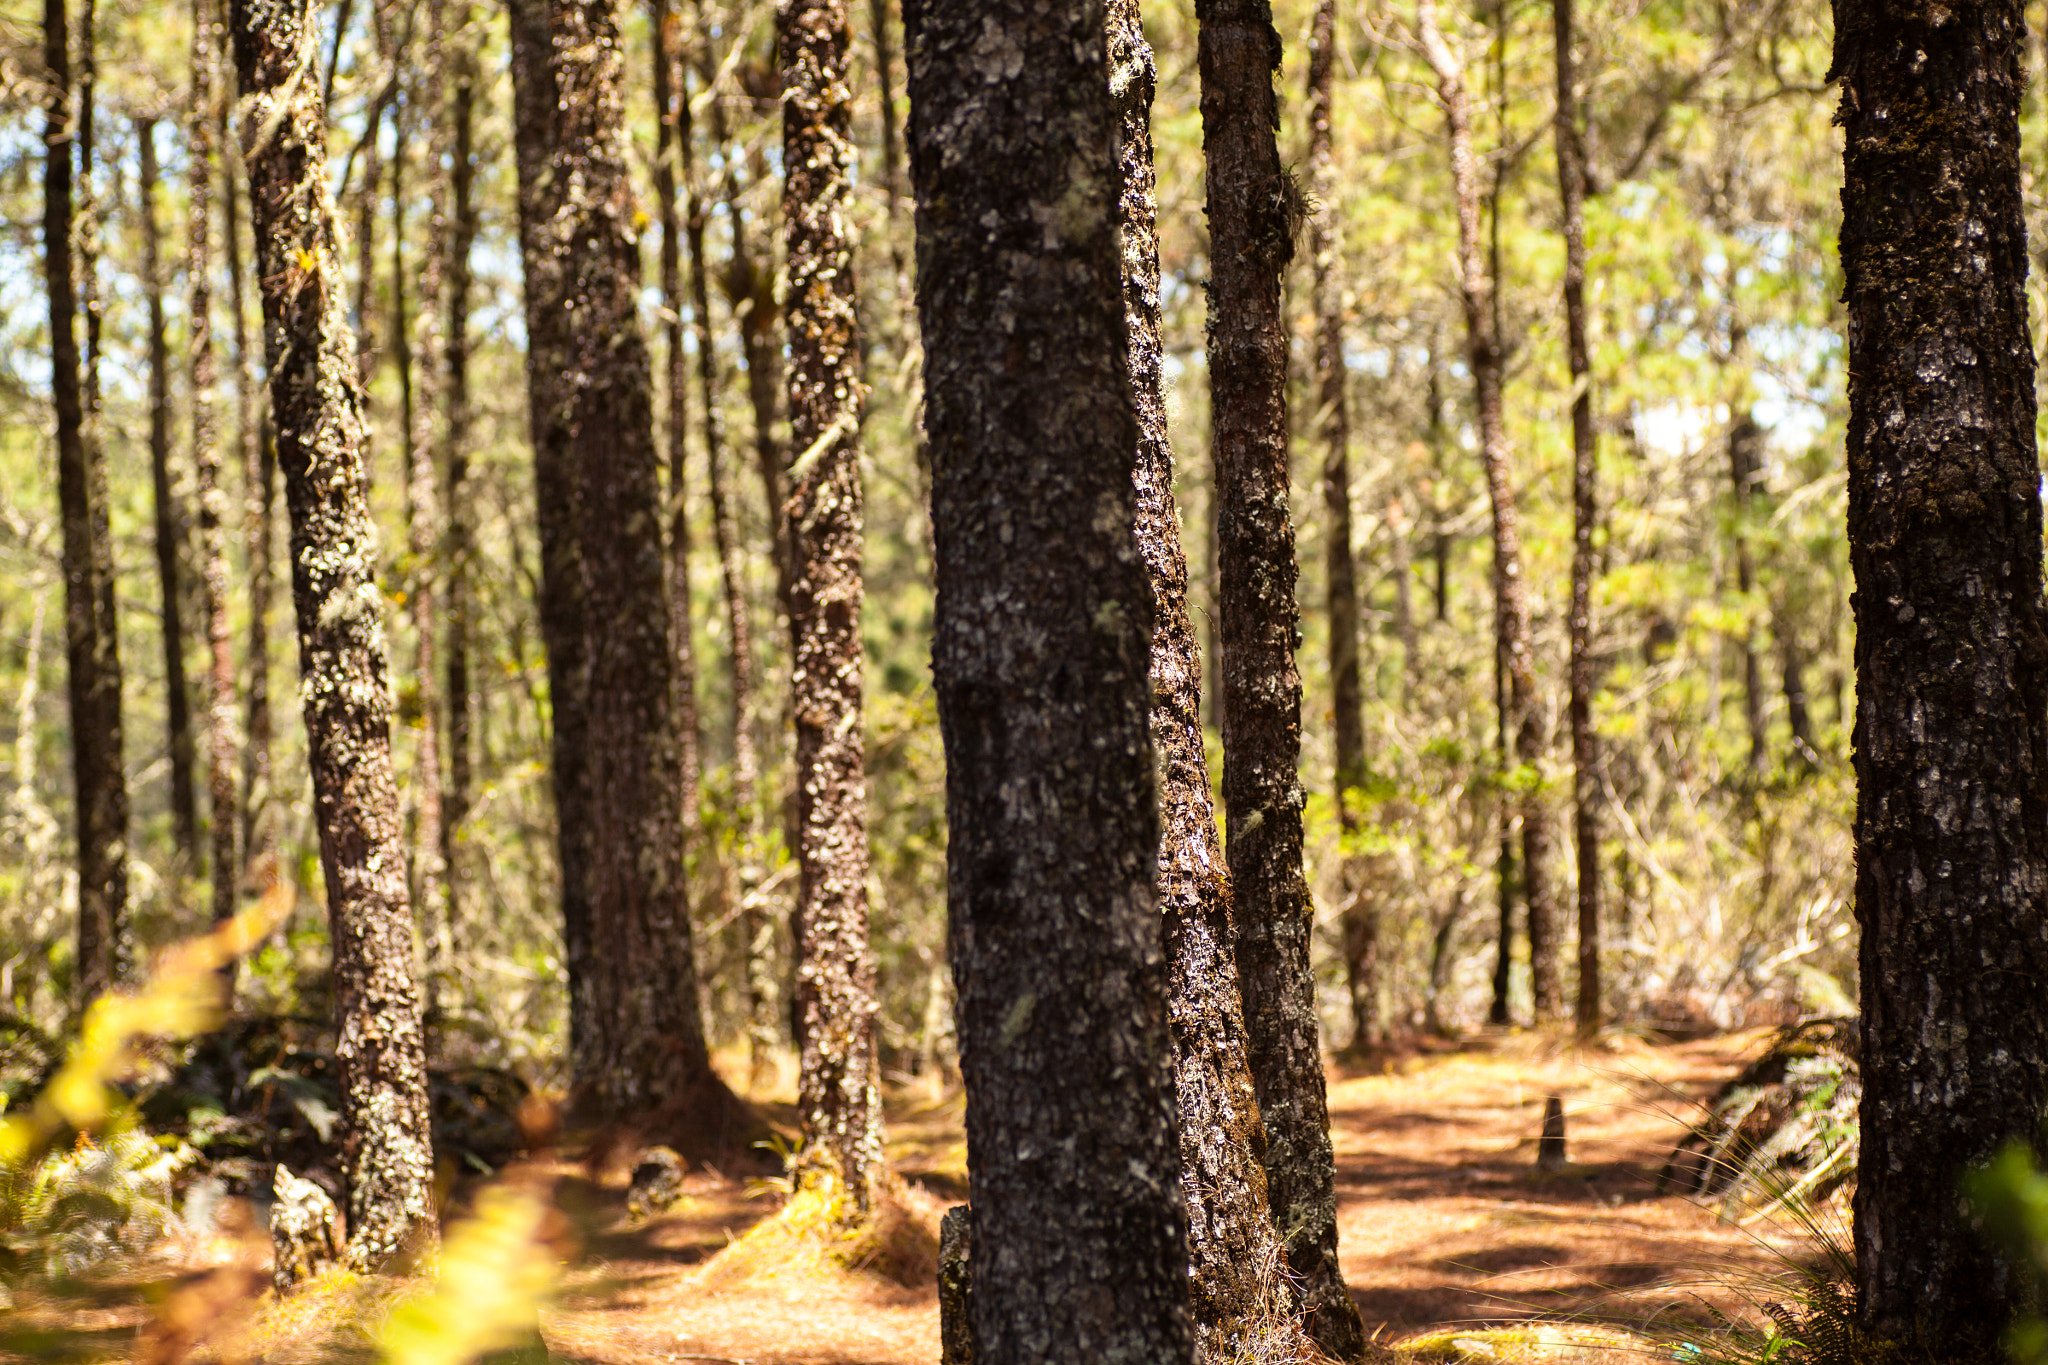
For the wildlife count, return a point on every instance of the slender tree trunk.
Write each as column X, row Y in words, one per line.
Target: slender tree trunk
column 424, row 529
column 839, row 1082
column 91, row 644
column 1519, row 716
column 1793, row 671
column 346, row 691
column 1254, row 211
column 1571, row 180
column 1073, row 1160
column 169, row 518
column 672, row 114
column 1333, row 418
column 259, row 485
column 459, row 545
column 1951, row 743
column 222, row 730
column 1745, row 447
column 644, row 1047
column 1240, row 1300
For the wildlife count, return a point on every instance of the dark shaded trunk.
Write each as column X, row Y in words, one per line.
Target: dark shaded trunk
column 1255, row 209
column 1333, row 420
column 170, row 520
column 346, row 691
column 1951, row 744
column 222, row 739
column 643, row 1047
column 1571, row 180
column 1797, row 714
column 1240, row 1302
column 1745, row 447
column 1518, row 706
column 91, row 647
column 459, row 543
column 1053, row 828
column 672, row 125
column 838, row 1081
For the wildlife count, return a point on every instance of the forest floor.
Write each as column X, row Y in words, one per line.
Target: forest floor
column 1445, row 1224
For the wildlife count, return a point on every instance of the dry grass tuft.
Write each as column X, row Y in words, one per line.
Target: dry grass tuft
column 811, row 1237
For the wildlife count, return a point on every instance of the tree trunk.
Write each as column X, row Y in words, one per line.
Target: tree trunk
column 1745, row 446
column 169, row 519
column 592, row 382
column 460, row 536
column 259, row 485
column 221, row 726
column 1333, row 418
column 672, row 125
column 1519, row 716
column 838, row 1082
column 1241, row 1304
column 424, row 528
column 1255, row 209
column 1052, row 823
column 1951, row 745
column 347, row 693
column 1571, row 180
column 91, row 645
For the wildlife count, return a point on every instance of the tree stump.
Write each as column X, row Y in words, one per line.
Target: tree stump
column 956, row 1283
column 1550, row 1153
column 305, row 1230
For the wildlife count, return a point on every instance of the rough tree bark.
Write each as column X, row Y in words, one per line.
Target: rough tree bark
column 1951, row 743
column 1518, row 707
column 91, row 644
column 1039, row 656
column 644, row 1046
column 170, row 529
column 1333, row 421
column 1241, row 1304
column 1571, row 180
column 346, row 689
column 838, row 1080
column 1255, row 209
column 222, row 731
column 672, row 124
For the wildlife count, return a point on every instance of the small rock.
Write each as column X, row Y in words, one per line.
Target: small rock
column 305, row 1230
column 657, row 1182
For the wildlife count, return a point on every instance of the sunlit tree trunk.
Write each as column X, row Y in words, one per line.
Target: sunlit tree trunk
column 1951, row 745
column 91, row 645
column 1241, row 1302
column 1255, row 210
column 839, row 1082
column 317, row 406
column 1080, row 1249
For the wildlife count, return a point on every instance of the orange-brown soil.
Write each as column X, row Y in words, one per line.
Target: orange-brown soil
column 1444, row 1220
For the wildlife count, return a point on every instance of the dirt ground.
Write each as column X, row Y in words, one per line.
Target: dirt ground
column 1445, row 1224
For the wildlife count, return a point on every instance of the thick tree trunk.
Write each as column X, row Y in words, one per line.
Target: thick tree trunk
column 346, row 690
column 1050, row 804
column 1951, row 651
column 1255, row 209
column 644, row 1047
column 1240, row 1300
column 170, row 520
column 459, row 545
column 1519, row 716
column 838, row 1081
column 222, row 737
column 1571, row 180
column 672, row 125
column 91, row 645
